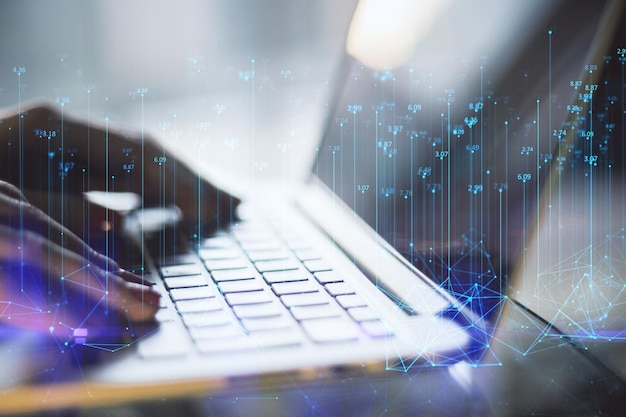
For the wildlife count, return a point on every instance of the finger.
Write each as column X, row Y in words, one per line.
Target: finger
column 130, row 277
column 35, row 220
column 11, row 191
column 150, row 298
column 29, row 217
column 76, row 213
column 77, row 273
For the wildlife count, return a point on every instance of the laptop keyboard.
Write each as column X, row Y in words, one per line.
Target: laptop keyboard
column 250, row 289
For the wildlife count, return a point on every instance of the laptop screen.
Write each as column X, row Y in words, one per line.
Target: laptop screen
column 445, row 156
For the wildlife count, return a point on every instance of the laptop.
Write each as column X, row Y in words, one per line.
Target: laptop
column 393, row 255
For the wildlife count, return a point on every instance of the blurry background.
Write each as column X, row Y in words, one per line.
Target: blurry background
column 243, row 87
column 237, row 86
column 244, row 82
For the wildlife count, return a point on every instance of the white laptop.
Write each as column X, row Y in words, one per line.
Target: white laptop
column 393, row 255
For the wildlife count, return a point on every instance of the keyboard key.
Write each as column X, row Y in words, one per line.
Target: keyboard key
column 252, row 235
column 220, row 264
column 241, row 285
column 306, row 254
column 363, row 313
column 277, row 265
column 216, row 332
column 315, row 311
column 228, row 345
column 184, row 282
column 339, row 288
column 233, row 274
column 177, row 259
column 277, row 338
column 218, row 253
column 178, row 294
column 217, row 242
column 252, row 297
column 351, row 300
column 313, row 298
column 295, row 287
column 211, row 318
column 376, row 328
column 326, row 277
column 267, row 255
column 298, row 243
column 168, row 340
column 197, row 306
column 254, row 245
column 331, row 330
column 316, row 265
column 266, row 323
column 247, row 311
column 286, row 276
column 181, row 270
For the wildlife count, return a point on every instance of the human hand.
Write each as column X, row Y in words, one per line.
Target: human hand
column 54, row 159
column 53, row 282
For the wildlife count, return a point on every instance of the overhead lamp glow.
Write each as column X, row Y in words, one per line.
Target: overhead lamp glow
column 384, row 33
